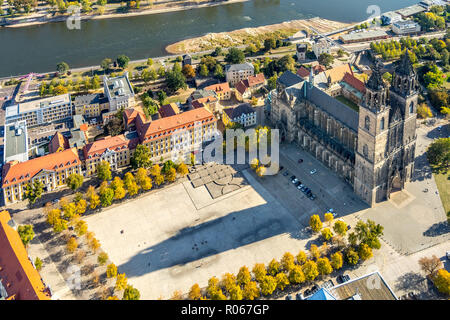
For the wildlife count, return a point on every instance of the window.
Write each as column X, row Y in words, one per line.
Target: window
column 411, row 107
column 382, row 124
column 365, row 150
column 367, row 123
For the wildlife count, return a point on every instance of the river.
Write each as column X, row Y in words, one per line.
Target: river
column 39, row 48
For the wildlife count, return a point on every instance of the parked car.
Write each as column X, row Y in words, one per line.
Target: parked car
column 307, row 293
column 312, row 197
column 295, row 181
column 300, row 160
column 314, row 289
column 343, row 278
column 293, row 177
column 298, row 183
column 329, row 284
column 299, row 296
column 286, row 173
column 313, row 171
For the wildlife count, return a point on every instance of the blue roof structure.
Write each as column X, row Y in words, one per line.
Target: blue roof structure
column 322, row 294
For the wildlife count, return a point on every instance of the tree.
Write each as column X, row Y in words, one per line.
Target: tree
column 243, row 277
column 130, row 184
column 365, row 252
column 111, row 270
column 287, row 261
column 131, row 293
column 235, row 293
column 273, row 267
column 118, row 186
column 218, row 71
column 74, row 181
column 72, row 245
column 213, row 286
column 368, row 233
column 175, row 80
column 424, row 111
column 188, row 71
column 62, row 67
column 143, row 180
column 228, row 281
column 204, row 72
column 155, row 170
column 260, row 171
column 33, row 191
column 438, row 152
column 296, row 275
column 337, row 260
column 106, row 197
column 69, row 210
column 171, row 175
column 104, row 171
column 194, row 292
column 122, row 61
column 326, row 59
column 268, row 284
column 270, row 43
column 102, row 258
column 250, row 291
column 282, row 280
column 162, row 97
column 80, row 227
column 254, row 163
column 234, row 56
column 352, row 257
column 272, row 82
column 26, row 233
column 442, row 281
column 60, row 89
column 182, row 169
column 323, row 266
column 38, row 264
column 106, row 64
column 80, row 206
column 310, row 270
column 121, row 281
column 93, row 198
column 315, row 223
column 94, row 244
column 340, row 227
column 218, row 295
column 259, row 271
column 159, row 179
column 327, row 234
column 314, row 251
column 430, row 265
column 301, row 257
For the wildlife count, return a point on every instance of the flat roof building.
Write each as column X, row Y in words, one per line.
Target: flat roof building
column 390, row 17
column 15, row 142
column 119, row 92
column 364, row 36
column 410, row 11
column 405, row 27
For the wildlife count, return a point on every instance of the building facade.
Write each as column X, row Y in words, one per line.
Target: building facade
column 320, row 46
column 222, row 90
column 243, row 114
column 373, row 149
column 119, row 92
column 237, row 72
column 41, row 111
column 90, row 105
column 405, row 27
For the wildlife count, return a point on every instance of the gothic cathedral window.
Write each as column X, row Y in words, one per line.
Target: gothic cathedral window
column 411, row 107
column 365, row 151
column 382, row 124
column 367, row 123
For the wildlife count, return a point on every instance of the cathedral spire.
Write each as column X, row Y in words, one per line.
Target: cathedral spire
column 375, row 81
column 405, row 66
column 311, row 78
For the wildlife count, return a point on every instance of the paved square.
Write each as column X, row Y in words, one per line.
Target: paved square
column 179, row 236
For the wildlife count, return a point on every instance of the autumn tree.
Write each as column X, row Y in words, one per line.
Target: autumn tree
column 250, row 291
column 131, row 293
column 213, row 286
column 273, row 267
column 235, row 292
column 282, row 280
column 352, row 257
column 365, row 252
column 171, row 175
column 259, row 271
column 143, row 180
column 243, row 277
column 80, row 227
column 188, row 71
column 182, row 169
column 337, row 260
column 130, row 184
column 194, row 292
column 310, row 270
column 442, row 281
column 430, row 265
column 118, row 186
column 102, row 258
column 328, row 218
column 104, row 171
column 72, row 245
column 326, row 234
column 340, row 227
column 159, row 179
column 315, row 223
column 323, row 266
column 228, row 281
column 93, row 198
column 141, row 157
column 155, row 170
column 301, row 257
column 74, row 181
column 94, row 244
column 26, row 233
column 268, row 284
column 287, row 261
column 111, row 270
column 296, row 275
column 121, row 281
column 314, row 252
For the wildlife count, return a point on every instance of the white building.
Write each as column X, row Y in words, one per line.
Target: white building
column 301, row 49
column 405, row 27
column 244, row 114
column 237, row 72
column 119, row 92
column 15, row 142
column 40, row 111
column 321, row 46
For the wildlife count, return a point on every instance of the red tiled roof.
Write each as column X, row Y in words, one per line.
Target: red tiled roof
column 165, row 126
column 318, row 68
column 303, row 72
column 58, row 143
column 130, row 114
column 20, row 279
column 15, row 172
column 256, row 80
column 116, row 143
column 169, row 110
column 242, row 86
column 219, row 87
column 354, row 82
column 84, row 127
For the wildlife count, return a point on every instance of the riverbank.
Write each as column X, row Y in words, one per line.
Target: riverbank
column 155, row 9
column 250, row 35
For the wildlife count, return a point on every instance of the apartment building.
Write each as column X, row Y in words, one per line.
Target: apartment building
column 237, row 72
column 90, row 105
column 51, row 170
column 244, row 114
column 119, row 92
column 180, row 134
column 116, row 150
column 41, row 111
column 405, row 27
column 222, row 90
column 320, row 46
column 245, row 88
column 15, row 142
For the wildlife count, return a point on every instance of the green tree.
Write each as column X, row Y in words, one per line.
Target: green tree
column 122, row 61
column 33, row 191
column 131, row 293
column 235, row 55
column 175, row 80
column 62, row 67
column 106, row 63
column 326, row 59
column 438, row 152
column 204, row 72
column 74, row 181
column 104, row 171
column 218, row 71
column 26, row 233
column 107, row 197
column 141, row 157
column 315, row 223
column 340, row 227
column 102, row 258
column 38, row 264
column 337, row 260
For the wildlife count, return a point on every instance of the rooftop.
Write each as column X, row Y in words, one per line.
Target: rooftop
column 37, row 104
column 239, row 67
column 412, row 10
column 18, row 276
column 363, row 35
column 16, row 140
column 337, row 73
column 369, row 287
column 112, row 143
column 169, row 110
column 58, row 143
column 219, row 87
column 237, row 112
column 119, row 86
column 289, row 79
column 89, row 99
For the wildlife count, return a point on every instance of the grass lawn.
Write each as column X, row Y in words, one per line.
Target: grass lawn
column 348, row 102
column 181, row 96
column 443, row 184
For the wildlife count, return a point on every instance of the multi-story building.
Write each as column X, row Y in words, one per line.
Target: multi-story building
column 245, row 88
column 320, row 46
column 405, row 27
column 222, row 90
column 15, row 142
column 237, row 72
column 51, row 170
column 180, row 134
column 364, row 36
column 390, row 17
column 19, row 280
column 169, row 110
column 116, row 150
column 243, row 114
column 204, row 99
column 90, row 105
column 119, row 92
column 41, row 111
column 302, row 48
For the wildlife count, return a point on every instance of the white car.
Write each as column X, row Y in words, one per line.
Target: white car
column 313, row 171
column 448, row 255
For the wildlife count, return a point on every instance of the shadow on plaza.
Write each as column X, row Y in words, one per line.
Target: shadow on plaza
column 202, row 243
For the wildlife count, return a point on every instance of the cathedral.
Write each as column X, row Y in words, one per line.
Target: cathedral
column 372, row 148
